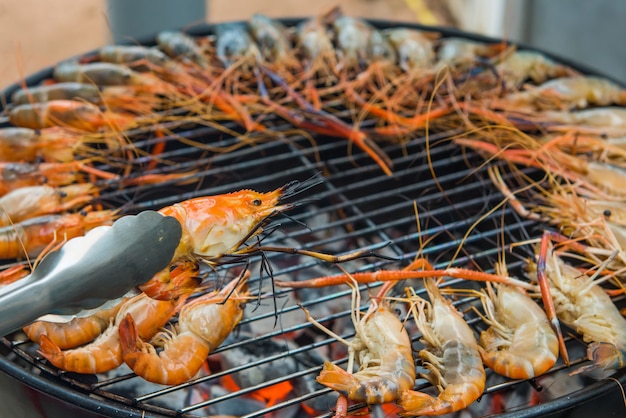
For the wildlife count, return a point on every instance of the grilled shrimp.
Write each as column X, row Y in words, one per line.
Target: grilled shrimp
column 105, row 352
column 32, row 201
column 180, row 278
column 57, row 91
column 68, row 113
column 234, row 44
column 358, row 42
column 451, row 357
column 414, row 49
column 461, row 52
column 181, row 47
column 218, row 225
column 54, row 144
column 584, row 306
column 32, row 236
column 522, row 65
column 75, row 333
column 313, row 40
column 609, row 121
column 567, row 92
column 101, row 74
column 382, row 349
column 135, row 56
column 203, row 325
column 519, row 343
column 16, row 175
column 272, row 37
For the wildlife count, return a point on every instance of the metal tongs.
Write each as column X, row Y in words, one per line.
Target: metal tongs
column 88, row 271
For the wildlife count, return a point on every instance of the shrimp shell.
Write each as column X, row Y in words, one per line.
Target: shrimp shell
column 203, row 325
column 33, row 235
column 414, row 49
column 57, row 91
column 32, row 201
column 451, row 356
column 216, row 225
column 520, row 343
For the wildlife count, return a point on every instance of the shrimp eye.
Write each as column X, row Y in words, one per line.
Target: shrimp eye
column 62, row 194
column 83, row 212
column 606, row 213
column 256, row 202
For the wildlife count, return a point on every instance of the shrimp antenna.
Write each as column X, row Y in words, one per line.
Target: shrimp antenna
column 297, row 221
column 296, row 187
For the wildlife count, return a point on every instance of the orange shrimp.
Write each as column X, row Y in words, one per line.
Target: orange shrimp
column 382, row 348
column 54, row 144
column 32, row 201
column 451, row 357
column 519, row 343
column 218, row 225
column 16, row 175
column 57, row 91
column 32, row 236
column 105, row 353
column 74, row 333
column 68, row 113
column 203, row 325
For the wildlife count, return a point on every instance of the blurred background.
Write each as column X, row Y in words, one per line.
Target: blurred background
column 38, row 33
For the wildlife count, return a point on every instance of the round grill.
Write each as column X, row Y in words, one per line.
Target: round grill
column 355, row 207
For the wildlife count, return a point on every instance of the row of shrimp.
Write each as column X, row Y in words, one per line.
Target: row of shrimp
column 522, row 340
column 408, row 79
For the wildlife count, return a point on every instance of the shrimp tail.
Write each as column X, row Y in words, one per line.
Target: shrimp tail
column 416, row 403
column 51, row 351
column 129, row 336
column 503, row 362
column 419, row 403
column 180, row 360
column 336, row 378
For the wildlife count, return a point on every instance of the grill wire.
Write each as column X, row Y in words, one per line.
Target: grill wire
column 355, row 207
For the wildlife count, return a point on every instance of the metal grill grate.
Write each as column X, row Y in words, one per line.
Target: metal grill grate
column 355, row 207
